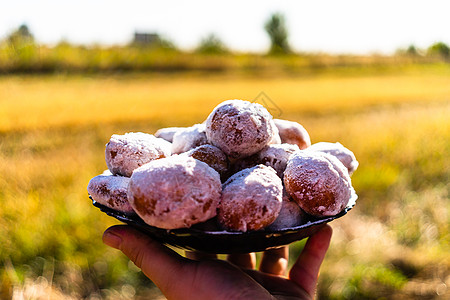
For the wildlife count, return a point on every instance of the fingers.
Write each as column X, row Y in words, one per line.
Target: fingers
column 306, row 269
column 244, row 261
column 162, row 265
column 275, row 261
column 199, row 255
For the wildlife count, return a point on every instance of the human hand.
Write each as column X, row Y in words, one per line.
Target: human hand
column 203, row 276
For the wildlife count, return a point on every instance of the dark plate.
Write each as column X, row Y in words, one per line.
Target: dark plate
column 225, row 242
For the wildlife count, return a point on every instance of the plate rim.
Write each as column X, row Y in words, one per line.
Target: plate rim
column 134, row 217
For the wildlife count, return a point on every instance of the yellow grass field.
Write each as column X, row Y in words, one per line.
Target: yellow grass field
column 393, row 244
column 35, row 102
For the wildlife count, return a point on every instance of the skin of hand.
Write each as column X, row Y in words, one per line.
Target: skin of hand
column 202, row 276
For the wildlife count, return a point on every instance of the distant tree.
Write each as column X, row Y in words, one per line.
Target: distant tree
column 412, row 50
column 439, row 49
column 277, row 31
column 21, row 36
column 212, row 45
column 168, row 44
column 21, row 44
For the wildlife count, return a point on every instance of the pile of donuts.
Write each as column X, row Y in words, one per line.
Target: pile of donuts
column 240, row 170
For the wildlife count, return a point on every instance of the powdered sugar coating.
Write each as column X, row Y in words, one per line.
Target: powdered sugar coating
column 318, row 182
column 124, row 153
column 277, row 156
column 110, row 191
column 345, row 155
column 106, row 172
column 189, row 138
column 239, row 128
column 211, row 155
column 168, row 133
column 293, row 133
column 251, row 199
column 175, row 192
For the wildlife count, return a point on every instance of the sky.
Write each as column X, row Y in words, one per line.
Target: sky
column 331, row 26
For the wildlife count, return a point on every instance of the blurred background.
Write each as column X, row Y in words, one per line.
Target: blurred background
column 373, row 75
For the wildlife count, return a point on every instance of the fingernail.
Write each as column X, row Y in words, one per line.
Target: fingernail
column 112, row 239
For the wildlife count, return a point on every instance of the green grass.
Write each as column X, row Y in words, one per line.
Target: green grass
column 53, row 130
column 25, row 57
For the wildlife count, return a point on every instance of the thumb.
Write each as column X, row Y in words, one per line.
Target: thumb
column 158, row 262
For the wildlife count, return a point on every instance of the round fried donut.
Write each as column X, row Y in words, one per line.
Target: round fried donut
column 277, row 156
column 175, row 192
column 318, row 182
column 213, row 156
column 251, row 199
column 239, row 128
column 293, row 133
column 290, row 216
column 110, row 191
column 124, row 153
column 345, row 155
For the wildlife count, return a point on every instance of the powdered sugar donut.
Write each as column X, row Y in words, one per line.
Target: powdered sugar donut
column 239, row 128
column 251, row 199
column 124, row 153
column 168, row 133
column 277, row 156
column 175, row 192
column 211, row 155
column 110, row 191
column 345, row 155
column 293, row 133
column 290, row 216
column 189, row 138
column 318, row 182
